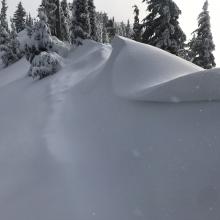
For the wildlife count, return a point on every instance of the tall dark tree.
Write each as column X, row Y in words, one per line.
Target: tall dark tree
column 3, row 15
column 51, row 9
column 102, row 20
column 80, row 27
column 111, row 29
column 58, row 19
column 9, row 45
column 137, row 27
column 29, row 21
column 202, row 45
column 65, row 8
column 65, row 20
column 11, row 50
column 92, row 18
column 121, row 29
column 161, row 26
column 4, row 31
column 19, row 18
column 128, row 30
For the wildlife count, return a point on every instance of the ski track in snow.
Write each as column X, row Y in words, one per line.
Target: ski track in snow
column 71, row 75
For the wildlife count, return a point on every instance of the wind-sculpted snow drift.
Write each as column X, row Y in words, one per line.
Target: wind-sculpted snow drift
column 90, row 143
column 142, row 72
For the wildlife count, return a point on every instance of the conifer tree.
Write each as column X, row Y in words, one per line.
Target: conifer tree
column 39, row 50
column 58, row 20
column 4, row 35
column 19, row 18
column 105, row 35
column 111, row 29
column 29, row 22
column 102, row 20
column 137, row 27
column 80, row 25
column 65, row 21
column 12, row 51
column 39, row 38
column 190, row 45
column 92, row 18
column 4, row 31
column 202, row 45
column 121, row 29
column 51, row 8
column 128, row 30
column 161, row 26
column 3, row 15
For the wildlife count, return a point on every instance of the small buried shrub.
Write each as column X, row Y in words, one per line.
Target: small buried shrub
column 45, row 64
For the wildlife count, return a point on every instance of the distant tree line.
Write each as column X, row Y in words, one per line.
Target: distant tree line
column 60, row 22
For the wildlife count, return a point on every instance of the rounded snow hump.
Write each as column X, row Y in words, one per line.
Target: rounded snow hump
column 143, row 72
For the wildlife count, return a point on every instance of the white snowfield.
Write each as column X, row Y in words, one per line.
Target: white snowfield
column 102, row 139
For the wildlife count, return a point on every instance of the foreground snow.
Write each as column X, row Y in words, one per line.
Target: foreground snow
column 84, row 144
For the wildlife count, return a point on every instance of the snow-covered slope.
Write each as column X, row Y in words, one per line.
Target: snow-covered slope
column 73, row 147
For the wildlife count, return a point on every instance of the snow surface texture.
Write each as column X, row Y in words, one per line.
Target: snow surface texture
column 71, row 147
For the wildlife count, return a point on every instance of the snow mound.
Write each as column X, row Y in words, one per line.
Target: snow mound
column 143, row 72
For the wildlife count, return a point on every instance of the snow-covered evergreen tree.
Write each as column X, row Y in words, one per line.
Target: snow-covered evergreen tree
column 190, row 45
column 39, row 50
column 161, row 26
column 29, row 22
column 65, row 21
column 123, row 29
column 3, row 15
column 101, row 23
column 111, row 29
column 105, row 35
column 120, row 29
column 65, row 8
column 4, row 31
column 58, row 19
column 80, row 27
column 49, row 8
column 128, row 30
column 202, row 45
column 52, row 10
column 19, row 18
column 137, row 27
column 92, row 18
column 39, row 38
column 11, row 50
column 4, row 35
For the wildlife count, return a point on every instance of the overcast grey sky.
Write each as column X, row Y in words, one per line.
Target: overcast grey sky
column 122, row 10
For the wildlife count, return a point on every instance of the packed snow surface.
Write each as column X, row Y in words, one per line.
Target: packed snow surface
column 101, row 139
